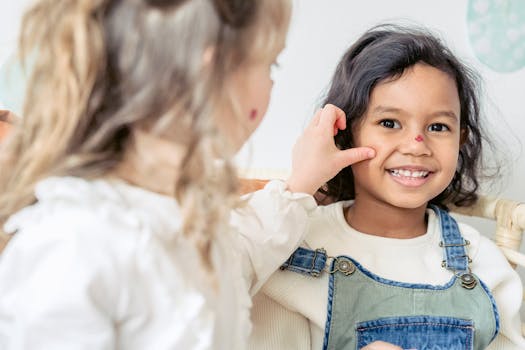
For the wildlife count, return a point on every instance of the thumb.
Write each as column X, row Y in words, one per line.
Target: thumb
column 354, row 155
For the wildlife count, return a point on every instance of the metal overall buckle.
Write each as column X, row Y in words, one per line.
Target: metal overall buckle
column 344, row 265
column 467, row 279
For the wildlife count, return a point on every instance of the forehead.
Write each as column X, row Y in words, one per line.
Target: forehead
column 420, row 89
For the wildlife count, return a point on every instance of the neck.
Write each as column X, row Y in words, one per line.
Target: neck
column 151, row 162
column 384, row 220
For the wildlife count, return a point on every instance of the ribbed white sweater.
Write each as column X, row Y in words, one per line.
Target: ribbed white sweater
column 290, row 310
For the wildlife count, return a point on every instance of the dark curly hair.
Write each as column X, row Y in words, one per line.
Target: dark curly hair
column 384, row 53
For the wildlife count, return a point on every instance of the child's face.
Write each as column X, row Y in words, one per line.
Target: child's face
column 413, row 124
column 252, row 85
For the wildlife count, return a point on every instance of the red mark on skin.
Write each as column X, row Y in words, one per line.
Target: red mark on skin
column 419, row 138
column 253, row 114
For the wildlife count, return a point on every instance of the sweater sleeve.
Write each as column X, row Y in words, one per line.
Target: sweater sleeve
column 270, row 227
column 506, row 287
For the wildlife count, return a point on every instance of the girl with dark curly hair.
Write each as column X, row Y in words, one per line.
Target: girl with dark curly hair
column 399, row 268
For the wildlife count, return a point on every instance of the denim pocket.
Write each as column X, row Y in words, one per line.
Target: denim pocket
column 418, row 332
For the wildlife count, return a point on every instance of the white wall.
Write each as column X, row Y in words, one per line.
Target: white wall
column 10, row 17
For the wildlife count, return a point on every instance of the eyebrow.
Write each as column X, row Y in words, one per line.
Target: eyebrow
column 386, row 109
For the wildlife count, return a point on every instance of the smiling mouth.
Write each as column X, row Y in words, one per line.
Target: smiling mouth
column 415, row 174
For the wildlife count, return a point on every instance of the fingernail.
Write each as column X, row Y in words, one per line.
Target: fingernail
column 371, row 153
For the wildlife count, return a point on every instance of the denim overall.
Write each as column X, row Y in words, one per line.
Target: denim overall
column 363, row 307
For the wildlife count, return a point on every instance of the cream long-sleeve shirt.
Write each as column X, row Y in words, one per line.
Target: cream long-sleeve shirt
column 101, row 265
column 290, row 310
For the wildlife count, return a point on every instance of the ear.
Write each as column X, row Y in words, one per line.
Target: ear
column 463, row 136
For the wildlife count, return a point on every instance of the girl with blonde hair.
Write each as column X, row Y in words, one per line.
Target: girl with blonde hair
column 116, row 185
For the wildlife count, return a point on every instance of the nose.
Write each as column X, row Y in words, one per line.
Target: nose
column 415, row 144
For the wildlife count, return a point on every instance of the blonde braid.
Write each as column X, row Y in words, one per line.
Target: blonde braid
column 67, row 39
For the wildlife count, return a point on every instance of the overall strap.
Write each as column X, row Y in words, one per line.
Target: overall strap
column 455, row 257
column 306, row 261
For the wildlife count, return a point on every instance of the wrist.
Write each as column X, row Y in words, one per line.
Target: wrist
column 295, row 186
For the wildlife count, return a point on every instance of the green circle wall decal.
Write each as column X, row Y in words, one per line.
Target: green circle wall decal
column 496, row 30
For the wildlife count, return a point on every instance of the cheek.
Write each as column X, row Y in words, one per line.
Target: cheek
column 263, row 98
column 449, row 161
column 254, row 113
column 257, row 108
column 380, row 144
column 369, row 136
column 363, row 171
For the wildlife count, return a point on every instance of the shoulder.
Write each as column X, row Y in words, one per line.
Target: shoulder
column 104, row 209
column 472, row 235
column 328, row 217
column 92, row 225
column 72, row 211
column 488, row 261
column 481, row 246
column 68, row 235
column 328, row 213
column 98, row 254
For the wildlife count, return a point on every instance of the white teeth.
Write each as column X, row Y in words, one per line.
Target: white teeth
column 408, row 173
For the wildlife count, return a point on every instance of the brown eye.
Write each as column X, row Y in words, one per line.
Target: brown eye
column 390, row 124
column 438, row 127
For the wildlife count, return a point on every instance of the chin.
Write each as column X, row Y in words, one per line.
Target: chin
column 409, row 203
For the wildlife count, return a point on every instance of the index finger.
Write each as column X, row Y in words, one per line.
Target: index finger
column 332, row 116
column 316, row 118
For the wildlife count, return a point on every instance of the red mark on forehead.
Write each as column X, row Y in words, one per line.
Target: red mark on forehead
column 419, row 138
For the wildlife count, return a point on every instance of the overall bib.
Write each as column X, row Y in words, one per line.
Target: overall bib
column 363, row 307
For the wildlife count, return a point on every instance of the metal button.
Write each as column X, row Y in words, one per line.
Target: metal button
column 468, row 281
column 345, row 266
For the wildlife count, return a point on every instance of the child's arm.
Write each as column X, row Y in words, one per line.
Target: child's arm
column 276, row 218
column 491, row 266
